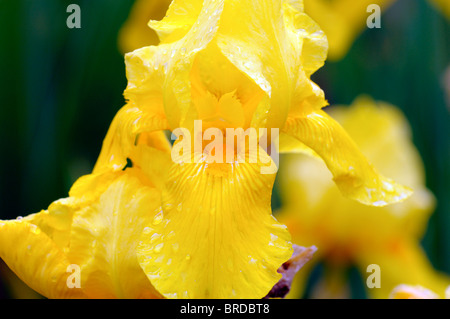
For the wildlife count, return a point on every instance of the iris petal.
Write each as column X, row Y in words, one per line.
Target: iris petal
column 352, row 173
column 105, row 233
column 164, row 71
column 129, row 122
column 36, row 259
column 216, row 234
column 274, row 44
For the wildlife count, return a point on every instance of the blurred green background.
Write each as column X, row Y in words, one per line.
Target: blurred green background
column 60, row 88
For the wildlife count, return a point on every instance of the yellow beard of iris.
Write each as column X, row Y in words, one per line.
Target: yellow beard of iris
column 237, row 145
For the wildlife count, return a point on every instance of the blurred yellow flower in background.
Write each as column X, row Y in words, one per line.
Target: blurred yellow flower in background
column 416, row 292
column 442, row 5
column 347, row 233
column 342, row 21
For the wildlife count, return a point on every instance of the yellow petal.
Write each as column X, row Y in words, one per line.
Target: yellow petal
column 36, row 259
column 352, row 173
column 179, row 18
column 412, row 292
column 154, row 163
column 104, row 235
column 56, row 221
column 122, row 135
column 135, row 33
column 163, row 72
column 216, row 237
column 274, row 44
column 379, row 128
column 315, row 43
column 220, row 89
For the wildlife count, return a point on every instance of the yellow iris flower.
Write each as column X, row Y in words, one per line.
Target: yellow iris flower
column 417, row 292
column 347, row 233
column 142, row 225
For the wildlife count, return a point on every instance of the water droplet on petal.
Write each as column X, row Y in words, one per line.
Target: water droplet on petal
column 158, row 248
column 155, row 237
column 158, row 218
column 171, row 234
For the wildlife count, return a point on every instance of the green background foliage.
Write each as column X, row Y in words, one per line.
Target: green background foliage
column 60, row 89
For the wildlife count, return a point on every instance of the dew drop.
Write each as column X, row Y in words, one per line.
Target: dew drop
column 158, row 248
column 155, row 237
column 388, row 187
column 36, row 230
column 170, row 235
column 158, row 218
column 175, row 247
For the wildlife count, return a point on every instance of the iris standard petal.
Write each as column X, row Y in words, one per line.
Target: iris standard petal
column 265, row 39
column 164, row 71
